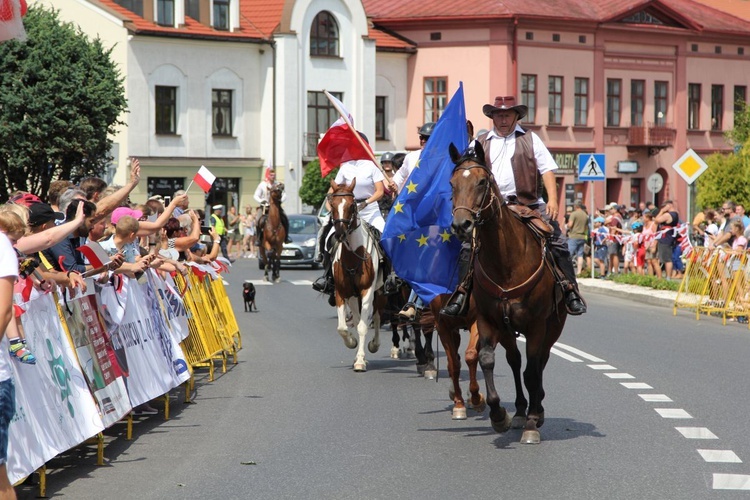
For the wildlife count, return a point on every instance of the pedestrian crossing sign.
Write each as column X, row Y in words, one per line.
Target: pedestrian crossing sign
column 591, row 167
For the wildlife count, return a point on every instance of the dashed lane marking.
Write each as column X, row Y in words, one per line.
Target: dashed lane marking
column 602, row 367
column 636, row 385
column 619, row 375
column 720, row 456
column 673, row 413
column 731, row 482
column 655, row 398
column 696, row 433
column 565, row 355
column 579, row 353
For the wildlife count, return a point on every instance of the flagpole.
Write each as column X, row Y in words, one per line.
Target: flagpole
column 188, row 188
column 344, row 116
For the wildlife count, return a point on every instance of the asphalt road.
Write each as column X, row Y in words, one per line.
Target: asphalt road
column 293, row 421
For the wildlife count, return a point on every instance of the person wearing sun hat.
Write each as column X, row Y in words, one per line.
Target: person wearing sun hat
column 121, row 212
column 518, row 159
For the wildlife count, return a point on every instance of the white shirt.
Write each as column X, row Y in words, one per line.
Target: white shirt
column 8, row 267
column 367, row 174
column 407, row 167
column 501, row 153
column 263, row 193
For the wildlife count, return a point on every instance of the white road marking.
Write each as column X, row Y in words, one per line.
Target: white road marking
column 655, row 398
column 731, row 482
column 602, row 367
column 720, row 456
column 259, row 282
column 672, row 413
column 636, row 385
column 696, row 433
column 579, row 352
column 300, row 282
column 619, row 375
column 565, row 355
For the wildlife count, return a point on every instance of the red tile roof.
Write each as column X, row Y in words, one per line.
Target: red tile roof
column 737, row 8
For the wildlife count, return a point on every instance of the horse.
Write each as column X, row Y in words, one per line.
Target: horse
column 357, row 275
column 515, row 289
column 274, row 235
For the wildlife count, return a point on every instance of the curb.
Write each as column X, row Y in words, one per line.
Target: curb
column 662, row 298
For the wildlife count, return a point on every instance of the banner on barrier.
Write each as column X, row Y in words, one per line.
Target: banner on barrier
column 54, row 408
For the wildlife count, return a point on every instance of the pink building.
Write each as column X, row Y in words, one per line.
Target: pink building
column 640, row 81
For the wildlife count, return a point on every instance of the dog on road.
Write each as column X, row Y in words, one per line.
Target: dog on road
column 248, row 296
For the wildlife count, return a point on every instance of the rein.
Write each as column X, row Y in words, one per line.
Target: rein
column 477, row 215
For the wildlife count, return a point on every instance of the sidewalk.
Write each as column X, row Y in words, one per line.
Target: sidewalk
column 635, row 293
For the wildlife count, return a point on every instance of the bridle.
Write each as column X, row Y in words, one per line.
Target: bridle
column 485, row 203
column 350, row 223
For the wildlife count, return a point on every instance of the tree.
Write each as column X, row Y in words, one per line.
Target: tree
column 60, row 101
column 314, row 188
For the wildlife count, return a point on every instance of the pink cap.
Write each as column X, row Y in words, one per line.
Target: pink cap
column 120, row 212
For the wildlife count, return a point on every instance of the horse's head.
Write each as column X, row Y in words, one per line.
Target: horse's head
column 277, row 191
column 473, row 189
column 343, row 209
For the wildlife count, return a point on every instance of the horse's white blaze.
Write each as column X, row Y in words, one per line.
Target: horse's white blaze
column 466, row 173
column 341, row 208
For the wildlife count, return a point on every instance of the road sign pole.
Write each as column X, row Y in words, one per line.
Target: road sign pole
column 591, row 225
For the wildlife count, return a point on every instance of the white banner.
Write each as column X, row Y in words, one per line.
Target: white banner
column 54, row 408
column 174, row 306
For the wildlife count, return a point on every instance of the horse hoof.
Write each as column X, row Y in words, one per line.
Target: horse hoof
column 277, row 280
column 479, row 407
column 519, row 421
column 360, row 366
column 351, row 343
column 430, row 374
column 373, row 347
column 531, row 437
column 503, row 426
column 410, row 354
column 459, row 413
column 394, row 352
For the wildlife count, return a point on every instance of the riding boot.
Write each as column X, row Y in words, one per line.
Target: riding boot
column 458, row 304
column 574, row 302
column 285, row 223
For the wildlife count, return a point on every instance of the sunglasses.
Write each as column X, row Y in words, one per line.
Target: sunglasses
column 423, row 138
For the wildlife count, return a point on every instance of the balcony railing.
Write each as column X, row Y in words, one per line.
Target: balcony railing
column 658, row 136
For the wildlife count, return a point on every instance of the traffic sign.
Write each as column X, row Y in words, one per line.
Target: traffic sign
column 591, row 167
column 655, row 182
column 690, row 166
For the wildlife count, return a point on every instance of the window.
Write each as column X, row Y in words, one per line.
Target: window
column 435, row 97
column 166, row 110
column 435, row 36
column 165, row 12
column 614, row 96
column 381, row 119
column 555, row 100
column 637, row 100
column 324, row 35
column 694, row 106
column 221, row 112
column 581, row 101
column 555, row 37
column 740, row 51
column 740, row 101
column 717, row 49
column 221, row 14
column 193, row 9
column 320, row 113
column 528, row 96
column 134, row 6
column 581, row 38
column 660, row 103
column 717, row 106
column 694, row 47
column 529, row 35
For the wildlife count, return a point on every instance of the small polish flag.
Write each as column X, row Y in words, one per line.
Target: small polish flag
column 94, row 252
column 204, row 178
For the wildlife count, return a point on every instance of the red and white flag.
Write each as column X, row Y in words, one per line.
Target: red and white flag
column 340, row 144
column 204, row 178
column 94, row 252
column 11, row 24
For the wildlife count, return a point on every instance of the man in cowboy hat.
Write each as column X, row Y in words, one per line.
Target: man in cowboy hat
column 517, row 159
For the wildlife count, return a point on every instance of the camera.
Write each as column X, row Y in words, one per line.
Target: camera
column 205, row 230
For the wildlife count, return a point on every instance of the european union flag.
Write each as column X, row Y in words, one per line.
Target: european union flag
column 417, row 235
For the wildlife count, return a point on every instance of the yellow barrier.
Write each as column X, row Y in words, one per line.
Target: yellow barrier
column 716, row 282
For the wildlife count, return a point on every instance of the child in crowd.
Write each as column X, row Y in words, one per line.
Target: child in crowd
column 601, row 234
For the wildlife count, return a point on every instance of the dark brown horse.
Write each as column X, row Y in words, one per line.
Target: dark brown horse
column 356, row 274
column 274, row 235
column 514, row 288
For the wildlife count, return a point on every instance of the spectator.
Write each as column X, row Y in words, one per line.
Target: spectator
column 248, row 241
column 8, row 275
column 739, row 211
column 613, row 221
column 578, row 232
column 668, row 219
column 56, row 188
column 649, row 241
column 233, row 231
column 600, row 236
column 181, row 207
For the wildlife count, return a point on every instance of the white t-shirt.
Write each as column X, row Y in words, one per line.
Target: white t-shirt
column 407, row 167
column 501, row 152
column 367, row 174
column 8, row 267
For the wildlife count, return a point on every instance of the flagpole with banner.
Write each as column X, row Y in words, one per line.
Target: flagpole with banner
column 345, row 116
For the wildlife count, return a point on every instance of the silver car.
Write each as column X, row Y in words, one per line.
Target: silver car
column 303, row 230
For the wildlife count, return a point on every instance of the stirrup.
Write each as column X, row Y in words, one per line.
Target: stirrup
column 457, row 304
column 574, row 303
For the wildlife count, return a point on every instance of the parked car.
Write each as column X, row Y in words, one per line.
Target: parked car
column 303, row 230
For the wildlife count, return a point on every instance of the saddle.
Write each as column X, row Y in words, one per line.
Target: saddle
column 533, row 219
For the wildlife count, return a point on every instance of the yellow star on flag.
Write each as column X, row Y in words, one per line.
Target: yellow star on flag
column 401, row 237
column 445, row 235
column 398, row 207
column 422, row 240
column 412, row 187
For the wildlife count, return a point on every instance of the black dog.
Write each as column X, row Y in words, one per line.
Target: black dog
column 248, row 295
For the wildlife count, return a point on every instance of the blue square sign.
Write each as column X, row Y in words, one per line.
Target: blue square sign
column 591, row 167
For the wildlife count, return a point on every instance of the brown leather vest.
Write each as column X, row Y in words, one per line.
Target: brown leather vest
column 525, row 171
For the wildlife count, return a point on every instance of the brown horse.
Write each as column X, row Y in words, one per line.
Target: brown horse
column 514, row 288
column 274, row 235
column 356, row 273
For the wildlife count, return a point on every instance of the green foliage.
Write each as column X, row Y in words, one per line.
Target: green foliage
column 60, row 99
column 740, row 134
column 646, row 281
column 726, row 179
column 314, row 188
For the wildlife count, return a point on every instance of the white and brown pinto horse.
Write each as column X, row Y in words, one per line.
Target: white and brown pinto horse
column 356, row 273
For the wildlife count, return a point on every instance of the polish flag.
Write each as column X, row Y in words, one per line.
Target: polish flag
column 204, row 178
column 94, row 252
column 340, row 144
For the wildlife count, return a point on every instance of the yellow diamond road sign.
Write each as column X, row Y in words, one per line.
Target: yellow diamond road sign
column 690, row 166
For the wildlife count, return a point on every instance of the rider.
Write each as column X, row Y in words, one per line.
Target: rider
column 368, row 190
column 516, row 171
column 386, row 202
column 263, row 197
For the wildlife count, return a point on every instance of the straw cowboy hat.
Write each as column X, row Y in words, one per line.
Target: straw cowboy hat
column 504, row 104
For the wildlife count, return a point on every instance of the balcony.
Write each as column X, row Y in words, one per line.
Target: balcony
column 653, row 137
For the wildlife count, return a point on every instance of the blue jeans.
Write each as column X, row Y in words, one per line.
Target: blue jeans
column 7, row 410
column 575, row 247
